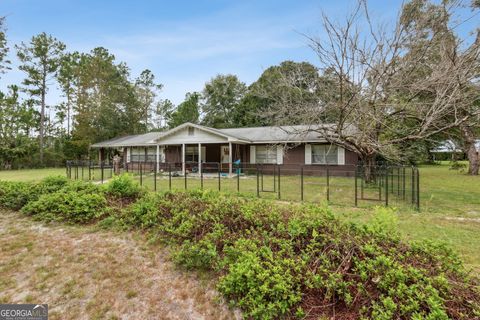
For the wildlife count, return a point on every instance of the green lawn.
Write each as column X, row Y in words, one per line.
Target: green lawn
column 30, row 174
column 450, row 201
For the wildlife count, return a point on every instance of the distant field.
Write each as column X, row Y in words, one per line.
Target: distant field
column 30, row 174
column 450, row 203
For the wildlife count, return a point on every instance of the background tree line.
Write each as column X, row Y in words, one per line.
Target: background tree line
column 388, row 93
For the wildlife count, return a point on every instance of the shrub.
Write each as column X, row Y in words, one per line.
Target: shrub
column 68, row 206
column 123, row 186
column 52, row 184
column 143, row 213
column 276, row 261
column 14, row 195
column 82, row 187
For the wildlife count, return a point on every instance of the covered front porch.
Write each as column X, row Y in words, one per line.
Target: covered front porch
column 201, row 158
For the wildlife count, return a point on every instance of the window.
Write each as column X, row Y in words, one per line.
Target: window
column 324, row 154
column 152, row 154
column 138, row 154
column 191, row 131
column 266, row 154
column 191, row 154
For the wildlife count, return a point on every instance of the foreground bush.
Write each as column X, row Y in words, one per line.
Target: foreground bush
column 275, row 261
column 123, row 186
column 286, row 261
column 14, row 195
column 67, row 206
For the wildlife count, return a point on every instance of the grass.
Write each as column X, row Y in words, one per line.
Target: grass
column 450, row 202
column 30, row 174
column 98, row 274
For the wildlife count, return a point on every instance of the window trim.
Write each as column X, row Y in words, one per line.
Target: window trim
column 326, row 148
column 271, row 154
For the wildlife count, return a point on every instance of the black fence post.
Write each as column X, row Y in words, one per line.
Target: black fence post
column 398, row 182
column 155, row 176
column 219, row 175
column 258, row 183
column 413, row 185
column 418, row 189
column 82, row 172
column 238, row 178
column 279, row 186
column 301, row 182
column 170, row 176
column 328, row 184
column 356, row 186
column 101, row 171
column 386, row 186
column 185, row 179
column 140, row 169
column 89, row 171
column 201, row 178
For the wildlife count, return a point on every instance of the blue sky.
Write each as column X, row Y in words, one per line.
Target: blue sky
column 185, row 43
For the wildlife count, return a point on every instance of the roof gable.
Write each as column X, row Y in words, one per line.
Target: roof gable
column 201, row 134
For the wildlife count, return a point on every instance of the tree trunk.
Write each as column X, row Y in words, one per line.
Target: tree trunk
column 368, row 162
column 42, row 119
column 471, row 150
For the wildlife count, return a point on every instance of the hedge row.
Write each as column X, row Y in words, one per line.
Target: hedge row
column 273, row 260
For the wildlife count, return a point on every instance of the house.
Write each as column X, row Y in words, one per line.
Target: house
column 450, row 150
column 195, row 146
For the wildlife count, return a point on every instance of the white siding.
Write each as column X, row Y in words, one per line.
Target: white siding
column 199, row 136
column 279, row 154
column 128, row 154
column 341, row 156
column 252, row 154
column 308, row 154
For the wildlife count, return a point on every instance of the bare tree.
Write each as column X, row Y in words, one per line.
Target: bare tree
column 386, row 86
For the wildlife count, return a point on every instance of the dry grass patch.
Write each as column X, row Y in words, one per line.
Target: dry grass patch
column 85, row 274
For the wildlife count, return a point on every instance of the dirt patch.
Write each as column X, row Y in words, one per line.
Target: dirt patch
column 86, row 274
column 461, row 219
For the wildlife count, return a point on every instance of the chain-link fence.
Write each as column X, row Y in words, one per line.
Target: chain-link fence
column 341, row 185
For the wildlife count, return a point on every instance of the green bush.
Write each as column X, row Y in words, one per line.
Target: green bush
column 68, row 206
column 52, row 184
column 277, row 260
column 14, row 195
column 142, row 213
column 123, row 186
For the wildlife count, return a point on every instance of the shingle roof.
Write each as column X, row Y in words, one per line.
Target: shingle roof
column 277, row 134
column 129, row 141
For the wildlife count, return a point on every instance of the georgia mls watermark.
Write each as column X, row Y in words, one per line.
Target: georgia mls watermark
column 23, row 311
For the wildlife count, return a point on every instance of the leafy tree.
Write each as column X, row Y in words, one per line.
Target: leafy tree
column 40, row 61
column 16, row 119
column 222, row 96
column 66, row 78
column 293, row 83
column 187, row 111
column 147, row 91
column 106, row 103
column 162, row 113
column 4, row 63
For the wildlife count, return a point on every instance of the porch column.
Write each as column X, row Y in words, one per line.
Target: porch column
column 101, row 153
column 200, row 158
column 229, row 158
column 158, row 157
column 183, row 158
